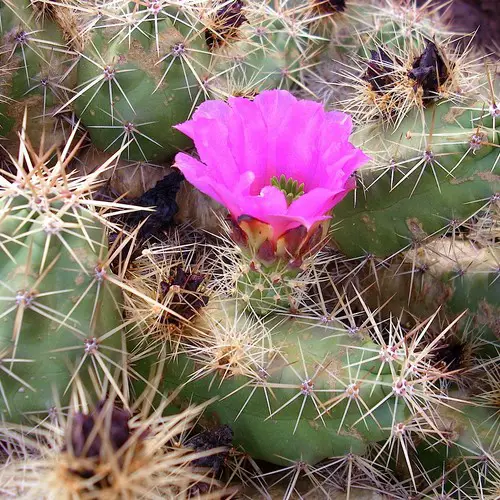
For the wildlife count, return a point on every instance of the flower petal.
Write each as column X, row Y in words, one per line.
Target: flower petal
column 271, row 201
column 197, row 174
column 248, row 140
column 313, row 205
column 214, row 110
column 211, row 141
column 292, row 135
column 283, row 223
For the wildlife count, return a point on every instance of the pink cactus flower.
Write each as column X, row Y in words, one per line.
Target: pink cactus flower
column 282, row 161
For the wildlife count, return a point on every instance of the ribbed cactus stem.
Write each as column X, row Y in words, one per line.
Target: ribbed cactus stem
column 269, row 288
column 271, row 271
column 291, row 388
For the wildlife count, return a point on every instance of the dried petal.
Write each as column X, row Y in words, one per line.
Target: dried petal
column 429, row 70
column 378, row 71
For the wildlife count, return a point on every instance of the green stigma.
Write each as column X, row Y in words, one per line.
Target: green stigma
column 289, row 186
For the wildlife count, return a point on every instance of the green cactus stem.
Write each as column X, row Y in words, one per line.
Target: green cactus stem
column 436, row 168
column 60, row 303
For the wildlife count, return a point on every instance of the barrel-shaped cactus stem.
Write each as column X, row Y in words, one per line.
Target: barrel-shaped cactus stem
column 491, row 91
column 389, row 58
column 457, row 276
column 397, row 81
column 324, row 20
column 297, row 478
column 128, row 134
column 60, row 298
column 273, row 49
column 446, row 140
column 266, row 283
column 414, row 159
column 477, row 445
column 355, row 471
column 295, row 370
column 36, row 67
column 143, row 68
column 403, row 378
column 297, row 22
column 457, row 455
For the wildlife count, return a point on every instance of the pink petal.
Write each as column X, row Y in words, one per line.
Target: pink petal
column 351, row 160
column 312, row 205
column 232, row 197
column 297, row 145
column 215, row 110
column 197, row 174
column 275, row 108
column 283, row 223
column 270, row 201
column 211, row 141
column 339, row 125
column 248, row 140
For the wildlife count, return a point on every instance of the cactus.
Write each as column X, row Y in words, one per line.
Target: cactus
column 35, row 62
column 449, row 162
column 130, row 71
column 469, row 452
column 60, row 301
column 369, row 364
column 450, row 274
column 288, row 364
column 145, row 68
column 421, row 116
column 297, row 408
column 297, row 389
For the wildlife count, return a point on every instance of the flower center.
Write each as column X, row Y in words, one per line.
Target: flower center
column 290, row 187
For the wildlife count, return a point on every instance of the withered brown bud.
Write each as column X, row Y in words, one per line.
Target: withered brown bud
column 82, row 428
column 208, row 440
column 429, row 70
column 86, row 441
column 187, row 302
column 226, row 22
column 378, row 70
column 119, row 432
